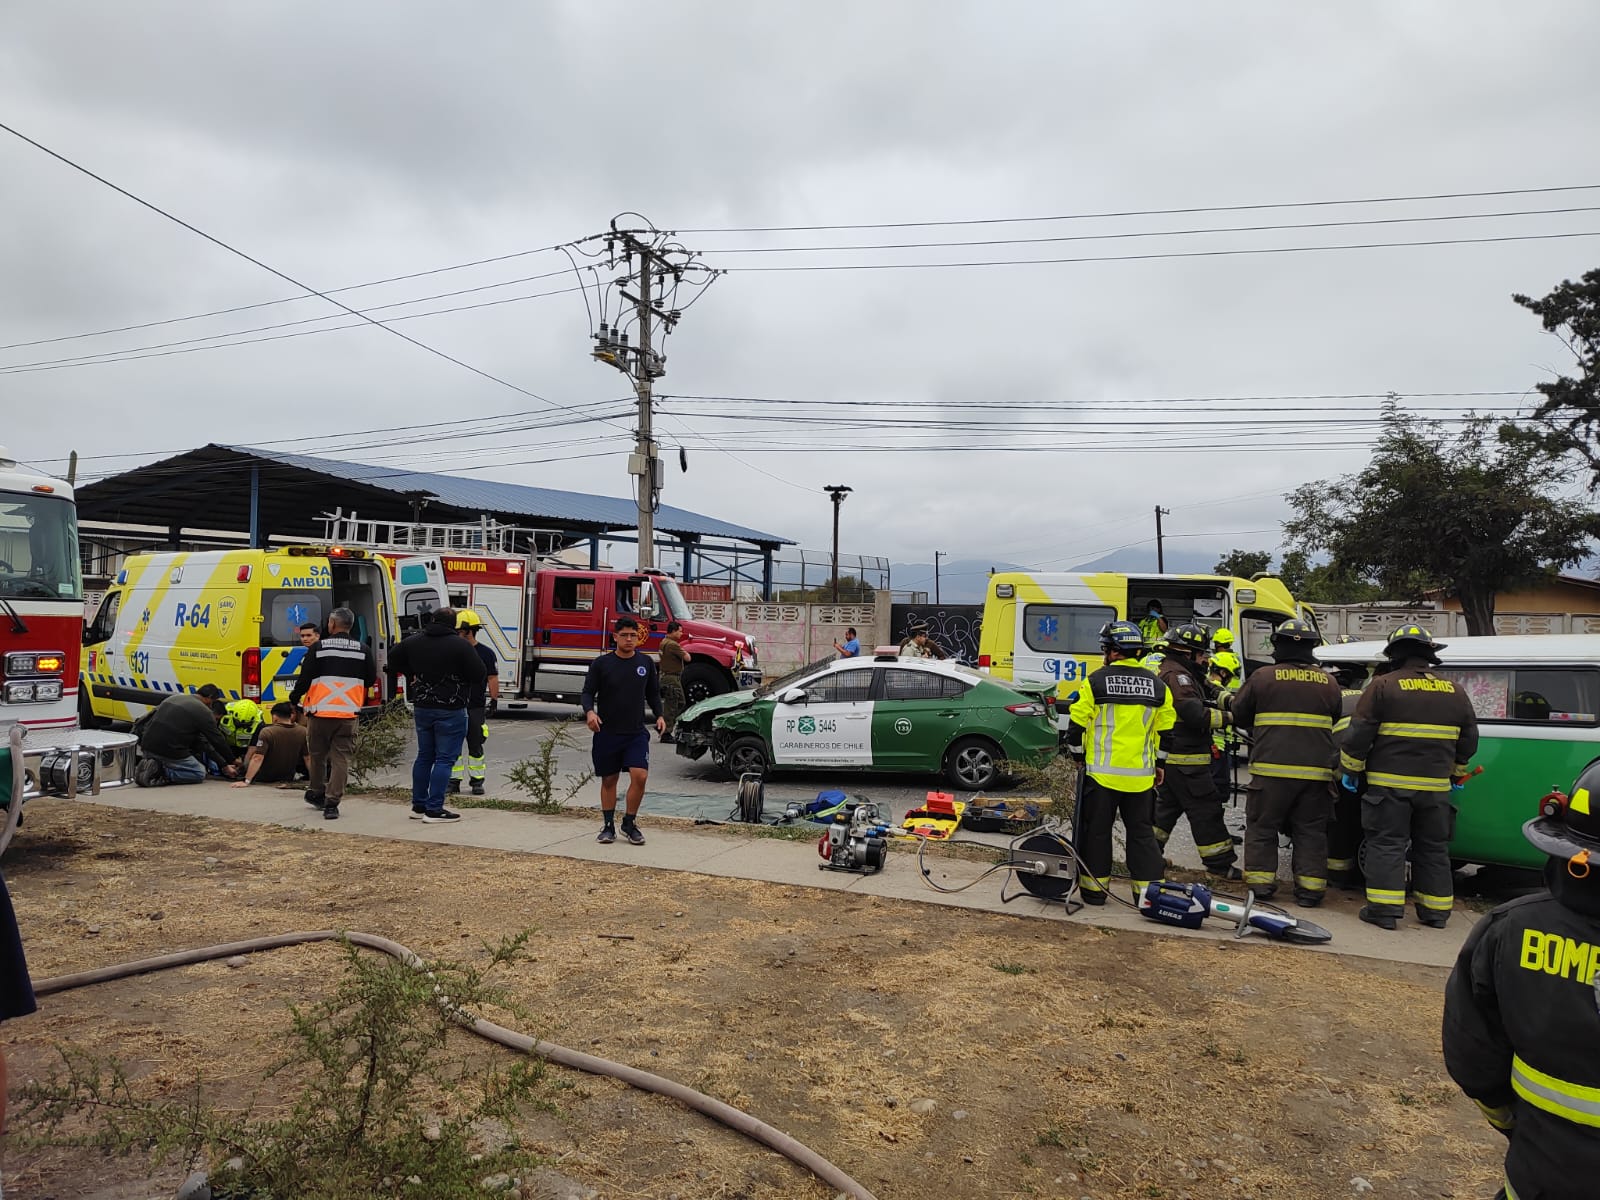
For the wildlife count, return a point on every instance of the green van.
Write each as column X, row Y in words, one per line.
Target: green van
column 1538, row 705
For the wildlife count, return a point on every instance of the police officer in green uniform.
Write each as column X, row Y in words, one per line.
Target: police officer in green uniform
column 1521, row 1022
column 1119, row 723
column 1412, row 735
column 1188, row 789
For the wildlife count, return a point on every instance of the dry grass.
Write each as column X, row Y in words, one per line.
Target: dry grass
column 1124, row 1065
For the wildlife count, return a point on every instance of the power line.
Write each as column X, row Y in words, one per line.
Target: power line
column 349, row 287
column 1097, row 258
column 133, row 352
column 1142, row 233
column 289, row 279
column 1145, row 212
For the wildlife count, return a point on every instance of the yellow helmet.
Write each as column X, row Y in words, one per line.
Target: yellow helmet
column 1222, row 637
column 1227, row 660
column 467, row 619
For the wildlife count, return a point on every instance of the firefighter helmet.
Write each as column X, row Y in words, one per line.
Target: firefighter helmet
column 468, row 619
column 1412, row 639
column 1189, row 638
column 1222, row 638
column 1569, row 827
column 240, row 720
column 1227, row 660
column 1301, row 633
column 1122, row 636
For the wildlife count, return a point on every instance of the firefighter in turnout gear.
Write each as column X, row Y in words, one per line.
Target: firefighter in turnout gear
column 1224, row 675
column 1344, row 832
column 1521, row 1022
column 1290, row 709
column 484, row 699
column 1188, row 789
column 1118, row 728
column 1412, row 736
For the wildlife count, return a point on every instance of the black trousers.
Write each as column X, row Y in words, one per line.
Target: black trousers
column 1092, row 838
column 1344, row 838
column 1299, row 808
column 1189, row 792
column 1393, row 820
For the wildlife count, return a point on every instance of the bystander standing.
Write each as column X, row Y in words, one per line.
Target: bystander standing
column 442, row 674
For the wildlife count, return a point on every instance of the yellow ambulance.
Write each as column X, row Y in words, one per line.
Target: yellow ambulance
column 172, row 622
column 1040, row 627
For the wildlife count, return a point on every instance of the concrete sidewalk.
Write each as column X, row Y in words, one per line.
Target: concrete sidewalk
column 730, row 853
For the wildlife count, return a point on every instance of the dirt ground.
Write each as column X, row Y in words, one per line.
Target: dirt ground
column 1062, row 1060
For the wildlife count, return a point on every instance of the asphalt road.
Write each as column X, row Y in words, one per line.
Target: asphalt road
column 697, row 789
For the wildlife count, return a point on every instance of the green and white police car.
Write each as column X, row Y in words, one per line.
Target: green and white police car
column 878, row 714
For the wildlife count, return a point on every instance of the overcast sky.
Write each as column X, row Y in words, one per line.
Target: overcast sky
column 352, row 142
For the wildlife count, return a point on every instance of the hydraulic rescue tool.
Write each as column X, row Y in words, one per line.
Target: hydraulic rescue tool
column 1047, row 867
column 858, row 841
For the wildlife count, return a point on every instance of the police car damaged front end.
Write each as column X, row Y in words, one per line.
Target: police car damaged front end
column 704, row 726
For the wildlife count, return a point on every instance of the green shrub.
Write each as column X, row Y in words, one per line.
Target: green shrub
column 383, row 1109
column 539, row 776
column 381, row 742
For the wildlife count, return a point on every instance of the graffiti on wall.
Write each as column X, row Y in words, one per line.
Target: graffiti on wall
column 954, row 627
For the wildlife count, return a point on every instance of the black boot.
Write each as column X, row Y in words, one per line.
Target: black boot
column 1307, row 899
column 1372, row 916
column 1431, row 918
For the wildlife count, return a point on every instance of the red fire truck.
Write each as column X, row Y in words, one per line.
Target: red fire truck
column 547, row 622
column 41, row 600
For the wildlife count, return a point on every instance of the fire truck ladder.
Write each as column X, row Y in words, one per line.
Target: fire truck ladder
column 484, row 536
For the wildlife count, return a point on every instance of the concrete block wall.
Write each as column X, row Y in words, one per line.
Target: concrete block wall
column 790, row 635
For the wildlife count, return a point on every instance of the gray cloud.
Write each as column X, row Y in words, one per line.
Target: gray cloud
column 356, row 141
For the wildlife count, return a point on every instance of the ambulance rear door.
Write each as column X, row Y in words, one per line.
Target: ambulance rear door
column 420, row 589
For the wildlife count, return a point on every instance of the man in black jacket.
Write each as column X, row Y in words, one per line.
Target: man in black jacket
column 175, row 739
column 442, row 672
column 1521, row 1014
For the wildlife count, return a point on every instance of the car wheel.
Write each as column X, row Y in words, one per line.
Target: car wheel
column 745, row 754
column 973, row 764
column 701, row 681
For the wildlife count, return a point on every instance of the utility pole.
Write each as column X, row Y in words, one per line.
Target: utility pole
column 937, row 555
column 837, row 491
column 1161, row 558
column 649, row 259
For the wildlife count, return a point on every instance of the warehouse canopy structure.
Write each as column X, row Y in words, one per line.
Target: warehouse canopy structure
column 259, row 494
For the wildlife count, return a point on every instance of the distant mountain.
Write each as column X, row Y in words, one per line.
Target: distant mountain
column 1139, row 560
column 961, row 580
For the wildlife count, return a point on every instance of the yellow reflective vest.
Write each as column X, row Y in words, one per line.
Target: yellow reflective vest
column 1119, row 726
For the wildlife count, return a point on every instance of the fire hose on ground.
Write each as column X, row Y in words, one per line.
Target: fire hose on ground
column 725, row 1114
column 735, row 1119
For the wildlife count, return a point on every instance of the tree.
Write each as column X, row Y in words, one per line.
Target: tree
column 852, row 590
column 1567, row 420
column 1244, row 563
column 1323, row 583
column 1455, row 511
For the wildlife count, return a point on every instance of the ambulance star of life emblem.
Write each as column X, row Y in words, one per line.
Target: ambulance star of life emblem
column 144, row 617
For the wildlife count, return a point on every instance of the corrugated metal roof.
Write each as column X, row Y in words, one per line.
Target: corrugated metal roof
column 534, row 504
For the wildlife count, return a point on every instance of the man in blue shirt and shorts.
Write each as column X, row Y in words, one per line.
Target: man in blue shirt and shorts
column 615, row 692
